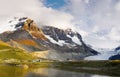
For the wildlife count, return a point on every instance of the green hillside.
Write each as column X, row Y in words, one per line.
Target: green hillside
column 7, row 52
column 4, row 46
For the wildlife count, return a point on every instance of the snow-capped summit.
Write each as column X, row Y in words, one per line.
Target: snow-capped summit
column 11, row 25
column 62, row 37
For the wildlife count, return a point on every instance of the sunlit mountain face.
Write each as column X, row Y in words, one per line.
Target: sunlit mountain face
column 47, row 39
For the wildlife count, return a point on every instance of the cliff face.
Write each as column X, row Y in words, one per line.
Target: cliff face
column 30, row 26
column 59, row 44
column 25, row 35
column 69, row 44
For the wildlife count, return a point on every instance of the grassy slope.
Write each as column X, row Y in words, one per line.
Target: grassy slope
column 40, row 54
column 4, row 46
column 7, row 52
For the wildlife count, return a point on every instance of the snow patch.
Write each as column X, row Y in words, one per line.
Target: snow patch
column 75, row 39
column 69, row 36
column 6, row 27
column 10, row 26
column 51, row 39
column 60, row 42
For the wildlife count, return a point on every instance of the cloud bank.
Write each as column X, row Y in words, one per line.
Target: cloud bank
column 36, row 10
column 99, row 19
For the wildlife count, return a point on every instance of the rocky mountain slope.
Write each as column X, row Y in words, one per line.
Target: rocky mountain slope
column 117, row 49
column 60, row 44
column 117, row 55
column 67, row 41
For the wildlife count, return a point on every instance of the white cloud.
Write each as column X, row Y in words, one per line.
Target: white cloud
column 36, row 10
column 99, row 18
column 87, row 1
column 18, row 7
column 117, row 6
column 56, row 18
column 114, row 34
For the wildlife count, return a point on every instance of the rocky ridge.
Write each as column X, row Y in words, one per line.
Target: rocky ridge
column 60, row 44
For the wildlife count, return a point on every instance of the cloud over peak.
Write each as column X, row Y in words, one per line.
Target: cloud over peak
column 36, row 10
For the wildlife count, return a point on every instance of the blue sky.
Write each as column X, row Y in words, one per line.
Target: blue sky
column 56, row 4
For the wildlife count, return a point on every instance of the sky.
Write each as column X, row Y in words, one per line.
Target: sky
column 55, row 4
column 98, row 21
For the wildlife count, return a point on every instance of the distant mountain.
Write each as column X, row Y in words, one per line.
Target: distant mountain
column 60, row 44
column 117, row 49
column 115, row 57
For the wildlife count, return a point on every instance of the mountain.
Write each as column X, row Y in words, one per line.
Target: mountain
column 24, row 35
column 115, row 57
column 117, row 49
column 59, row 44
column 67, row 41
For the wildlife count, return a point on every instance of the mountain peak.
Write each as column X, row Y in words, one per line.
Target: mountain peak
column 27, row 24
column 29, row 36
column 24, row 23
